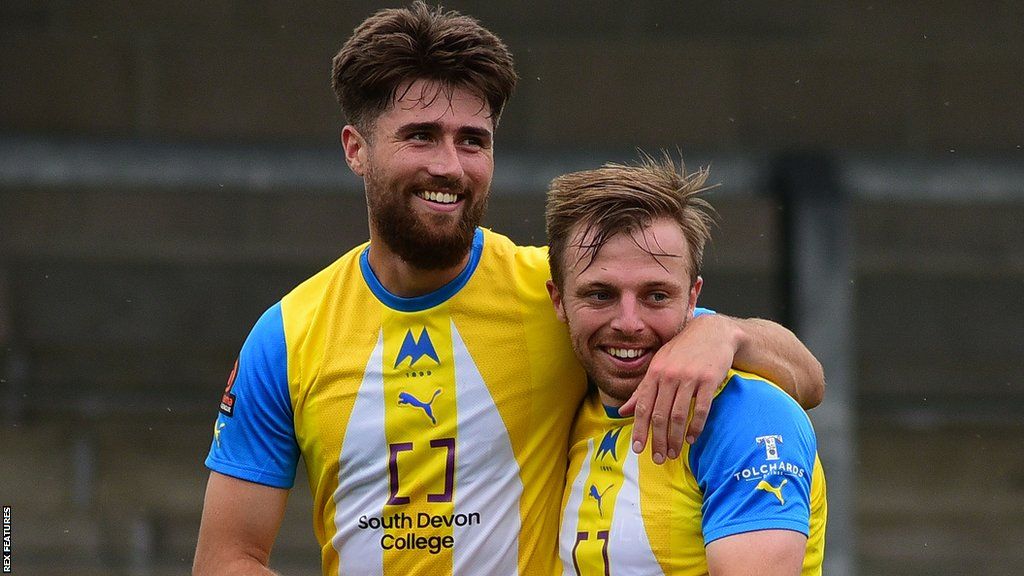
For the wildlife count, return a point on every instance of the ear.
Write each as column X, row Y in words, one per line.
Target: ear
column 556, row 300
column 694, row 293
column 356, row 149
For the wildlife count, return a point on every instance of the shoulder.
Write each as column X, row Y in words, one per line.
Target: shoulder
column 751, row 393
column 754, row 461
column 528, row 259
column 299, row 305
column 267, row 336
column 523, row 268
column 344, row 269
column 750, row 416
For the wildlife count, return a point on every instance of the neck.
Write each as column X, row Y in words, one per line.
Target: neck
column 403, row 279
column 608, row 400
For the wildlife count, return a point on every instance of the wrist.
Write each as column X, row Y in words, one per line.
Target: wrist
column 732, row 332
column 723, row 332
column 743, row 338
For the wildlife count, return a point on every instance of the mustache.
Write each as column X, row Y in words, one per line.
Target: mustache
column 440, row 184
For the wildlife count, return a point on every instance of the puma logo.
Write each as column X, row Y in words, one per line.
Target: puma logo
column 217, row 427
column 598, row 496
column 764, row 485
column 406, row 399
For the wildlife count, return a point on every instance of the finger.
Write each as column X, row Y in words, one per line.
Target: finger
column 660, row 419
column 701, row 408
column 677, row 421
column 640, row 403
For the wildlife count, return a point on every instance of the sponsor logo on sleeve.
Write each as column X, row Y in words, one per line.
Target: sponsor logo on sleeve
column 227, row 401
column 775, row 472
column 771, row 445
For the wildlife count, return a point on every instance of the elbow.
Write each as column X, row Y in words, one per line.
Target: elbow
column 205, row 564
column 814, row 393
column 224, row 562
column 200, row 567
column 225, row 567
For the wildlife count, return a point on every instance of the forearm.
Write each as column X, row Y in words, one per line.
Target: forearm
column 770, row 350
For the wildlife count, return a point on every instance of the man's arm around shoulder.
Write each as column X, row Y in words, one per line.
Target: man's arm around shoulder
column 239, row 525
column 770, row 350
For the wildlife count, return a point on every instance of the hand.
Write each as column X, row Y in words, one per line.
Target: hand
column 688, row 368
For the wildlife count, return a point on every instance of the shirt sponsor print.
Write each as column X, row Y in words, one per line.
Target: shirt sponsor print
column 770, row 476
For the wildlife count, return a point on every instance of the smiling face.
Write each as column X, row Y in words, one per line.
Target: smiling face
column 626, row 303
column 427, row 165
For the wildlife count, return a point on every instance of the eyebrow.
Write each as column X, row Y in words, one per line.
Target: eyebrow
column 594, row 284
column 656, row 285
column 481, row 133
column 434, row 126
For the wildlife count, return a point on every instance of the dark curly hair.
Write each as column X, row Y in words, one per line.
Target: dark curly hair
column 397, row 46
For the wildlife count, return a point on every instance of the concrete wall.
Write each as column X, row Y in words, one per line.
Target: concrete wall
column 924, row 77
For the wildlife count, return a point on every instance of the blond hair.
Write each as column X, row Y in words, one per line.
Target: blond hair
column 619, row 198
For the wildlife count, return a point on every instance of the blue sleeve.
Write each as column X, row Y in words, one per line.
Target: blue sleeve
column 698, row 311
column 254, row 436
column 754, row 461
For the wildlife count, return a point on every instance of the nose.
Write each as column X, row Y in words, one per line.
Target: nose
column 446, row 162
column 627, row 318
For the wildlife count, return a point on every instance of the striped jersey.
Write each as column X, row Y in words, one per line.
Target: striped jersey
column 434, row 429
column 754, row 467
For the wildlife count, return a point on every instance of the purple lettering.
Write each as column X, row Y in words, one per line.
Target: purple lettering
column 449, row 470
column 394, row 449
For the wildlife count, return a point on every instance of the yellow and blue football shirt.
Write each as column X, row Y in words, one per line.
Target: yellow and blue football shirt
column 434, row 429
column 754, row 467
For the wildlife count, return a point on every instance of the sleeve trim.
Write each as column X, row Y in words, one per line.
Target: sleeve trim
column 249, row 474
column 755, row 526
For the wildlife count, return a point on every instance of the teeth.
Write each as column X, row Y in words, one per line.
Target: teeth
column 625, row 353
column 439, row 197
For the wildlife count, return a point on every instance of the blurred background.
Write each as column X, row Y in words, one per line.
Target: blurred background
column 168, row 170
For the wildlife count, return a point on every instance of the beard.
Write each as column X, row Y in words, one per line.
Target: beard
column 425, row 241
